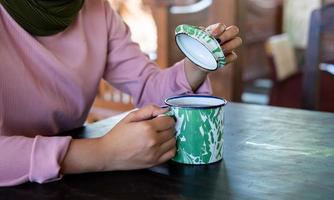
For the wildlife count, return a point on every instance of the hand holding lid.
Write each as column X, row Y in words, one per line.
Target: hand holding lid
column 211, row 48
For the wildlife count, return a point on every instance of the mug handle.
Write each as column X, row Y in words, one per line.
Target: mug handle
column 170, row 113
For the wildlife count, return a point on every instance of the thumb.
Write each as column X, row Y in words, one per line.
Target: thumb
column 145, row 113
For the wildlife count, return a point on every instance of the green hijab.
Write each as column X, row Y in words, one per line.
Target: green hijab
column 43, row 17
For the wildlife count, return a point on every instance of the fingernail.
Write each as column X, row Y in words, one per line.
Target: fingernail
column 223, row 28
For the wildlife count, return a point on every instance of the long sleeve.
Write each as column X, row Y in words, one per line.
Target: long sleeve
column 129, row 70
column 36, row 159
column 47, row 85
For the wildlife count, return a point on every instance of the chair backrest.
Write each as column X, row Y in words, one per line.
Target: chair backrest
column 321, row 26
column 108, row 102
column 110, row 98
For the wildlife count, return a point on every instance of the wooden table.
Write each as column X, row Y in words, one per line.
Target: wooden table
column 270, row 153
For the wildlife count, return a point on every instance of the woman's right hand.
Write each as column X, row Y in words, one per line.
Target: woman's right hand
column 140, row 140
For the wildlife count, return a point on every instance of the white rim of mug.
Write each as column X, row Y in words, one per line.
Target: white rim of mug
column 217, row 58
column 193, row 60
column 224, row 102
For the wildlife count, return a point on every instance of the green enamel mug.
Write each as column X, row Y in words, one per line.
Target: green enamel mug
column 199, row 128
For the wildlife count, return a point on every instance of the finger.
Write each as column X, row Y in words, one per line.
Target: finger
column 145, row 113
column 167, row 146
column 211, row 27
column 166, row 135
column 229, row 46
column 230, row 33
column 219, row 30
column 231, row 57
column 202, row 27
column 162, row 123
column 167, row 156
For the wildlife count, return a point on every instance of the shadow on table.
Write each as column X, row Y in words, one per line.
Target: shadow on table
column 198, row 181
column 168, row 181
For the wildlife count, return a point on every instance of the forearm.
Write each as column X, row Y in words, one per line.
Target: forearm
column 82, row 156
column 194, row 74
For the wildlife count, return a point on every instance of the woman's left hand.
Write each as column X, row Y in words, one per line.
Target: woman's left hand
column 228, row 38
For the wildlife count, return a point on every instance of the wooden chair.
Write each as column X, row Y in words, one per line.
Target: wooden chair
column 318, row 90
column 168, row 14
column 109, row 102
column 310, row 88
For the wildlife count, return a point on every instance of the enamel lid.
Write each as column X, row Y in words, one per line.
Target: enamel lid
column 200, row 47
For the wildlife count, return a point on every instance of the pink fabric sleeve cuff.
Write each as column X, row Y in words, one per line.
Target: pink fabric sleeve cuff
column 46, row 157
column 204, row 88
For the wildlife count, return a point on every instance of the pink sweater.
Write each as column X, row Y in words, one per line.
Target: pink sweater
column 48, row 84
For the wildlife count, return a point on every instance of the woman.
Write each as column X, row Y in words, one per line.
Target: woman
column 52, row 57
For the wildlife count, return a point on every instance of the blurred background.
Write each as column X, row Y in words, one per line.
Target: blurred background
column 286, row 60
